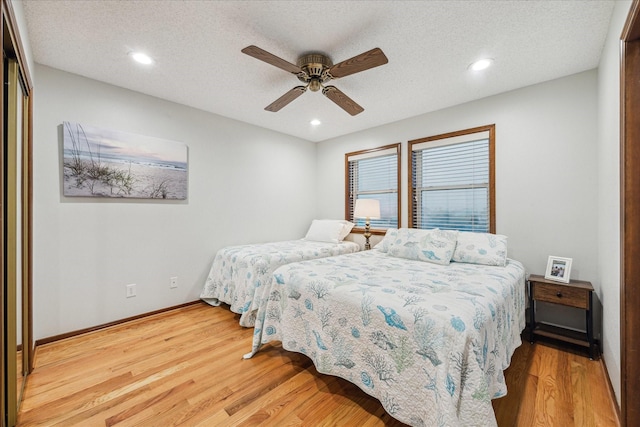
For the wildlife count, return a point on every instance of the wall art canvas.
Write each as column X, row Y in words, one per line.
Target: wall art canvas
column 105, row 163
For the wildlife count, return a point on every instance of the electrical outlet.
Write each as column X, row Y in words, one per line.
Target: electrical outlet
column 173, row 282
column 131, row 290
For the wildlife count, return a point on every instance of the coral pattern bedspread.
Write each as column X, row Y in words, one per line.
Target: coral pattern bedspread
column 237, row 272
column 430, row 342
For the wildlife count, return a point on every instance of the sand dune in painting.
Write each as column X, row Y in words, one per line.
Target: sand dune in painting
column 134, row 181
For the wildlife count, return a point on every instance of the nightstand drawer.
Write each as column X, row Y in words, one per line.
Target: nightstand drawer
column 559, row 294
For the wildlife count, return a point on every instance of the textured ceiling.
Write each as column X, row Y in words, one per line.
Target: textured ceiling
column 429, row 44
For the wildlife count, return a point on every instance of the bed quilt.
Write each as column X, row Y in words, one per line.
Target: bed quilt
column 237, row 272
column 430, row 342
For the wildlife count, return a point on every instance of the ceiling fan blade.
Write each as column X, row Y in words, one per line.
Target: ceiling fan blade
column 364, row 61
column 270, row 58
column 286, row 98
column 342, row 100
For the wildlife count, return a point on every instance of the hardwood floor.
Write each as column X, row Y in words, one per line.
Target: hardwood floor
column 184, row 367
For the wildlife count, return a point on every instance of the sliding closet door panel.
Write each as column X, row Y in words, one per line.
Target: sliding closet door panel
column 16, row 219
column 13, row 235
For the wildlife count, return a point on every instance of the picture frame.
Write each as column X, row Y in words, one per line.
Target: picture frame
column 558, row 269
column 105, row 163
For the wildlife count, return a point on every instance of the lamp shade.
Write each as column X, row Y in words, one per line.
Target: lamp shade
column 367, row 208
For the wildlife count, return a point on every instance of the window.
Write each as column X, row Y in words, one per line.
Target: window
column 452, row 181
column 374, row 174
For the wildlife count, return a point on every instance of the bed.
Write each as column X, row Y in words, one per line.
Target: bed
column 238, row 272
column 429, row 341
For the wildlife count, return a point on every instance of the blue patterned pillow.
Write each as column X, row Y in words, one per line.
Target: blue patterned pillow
column 387, row 240
column 434, row 246
column 481, row 248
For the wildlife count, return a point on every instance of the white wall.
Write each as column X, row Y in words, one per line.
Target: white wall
column 609, row 192
column 546, row 188
column 246, row 184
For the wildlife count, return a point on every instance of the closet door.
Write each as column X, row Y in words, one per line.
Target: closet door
column 16, row 233
column 15, row 165
column 13, row 238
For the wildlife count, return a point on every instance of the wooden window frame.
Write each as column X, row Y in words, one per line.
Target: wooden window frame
column 347, row 197
column 491, row 129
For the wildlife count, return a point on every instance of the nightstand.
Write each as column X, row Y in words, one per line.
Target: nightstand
column 576, row 293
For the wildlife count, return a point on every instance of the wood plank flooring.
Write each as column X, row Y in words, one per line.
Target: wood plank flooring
column 184, row 367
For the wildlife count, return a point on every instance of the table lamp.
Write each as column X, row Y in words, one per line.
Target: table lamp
column 368, row 209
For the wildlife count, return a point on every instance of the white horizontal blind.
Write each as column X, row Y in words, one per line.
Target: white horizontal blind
column 374, row 175
column 451, row 184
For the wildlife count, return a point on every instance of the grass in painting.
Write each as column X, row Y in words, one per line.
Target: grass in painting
column 158, row 191
column 87, row 173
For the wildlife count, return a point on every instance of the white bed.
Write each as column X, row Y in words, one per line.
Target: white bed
column 238, row 272
column 429, row 341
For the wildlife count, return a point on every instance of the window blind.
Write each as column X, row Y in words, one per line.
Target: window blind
column 374, row 175
column 450, row 181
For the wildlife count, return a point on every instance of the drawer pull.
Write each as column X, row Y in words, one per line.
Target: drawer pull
column 559, row 294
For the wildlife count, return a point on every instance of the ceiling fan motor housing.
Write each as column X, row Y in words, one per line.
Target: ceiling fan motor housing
column 314, row 67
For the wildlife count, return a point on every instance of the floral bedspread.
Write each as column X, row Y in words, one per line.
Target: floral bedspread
column 237, row 272
column 430, row 342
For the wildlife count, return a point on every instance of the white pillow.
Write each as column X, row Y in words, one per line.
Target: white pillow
column 325, row 231
column 481, row 248
column 347, row 226
column 434, row 246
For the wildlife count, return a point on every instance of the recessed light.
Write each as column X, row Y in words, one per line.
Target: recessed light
column 142, row 58
column 315, row 122
column 481, row 64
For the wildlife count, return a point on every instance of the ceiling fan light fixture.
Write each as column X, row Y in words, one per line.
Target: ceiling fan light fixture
column 314, row 85
column 315, row 122
column 481, row 64
column 141, row 58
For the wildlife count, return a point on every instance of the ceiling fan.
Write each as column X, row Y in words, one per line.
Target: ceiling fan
column 316, row 69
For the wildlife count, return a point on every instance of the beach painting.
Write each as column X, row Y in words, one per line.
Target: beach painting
column 106, row 163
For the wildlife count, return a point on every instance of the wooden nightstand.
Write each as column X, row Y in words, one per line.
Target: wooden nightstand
column 576, row 293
